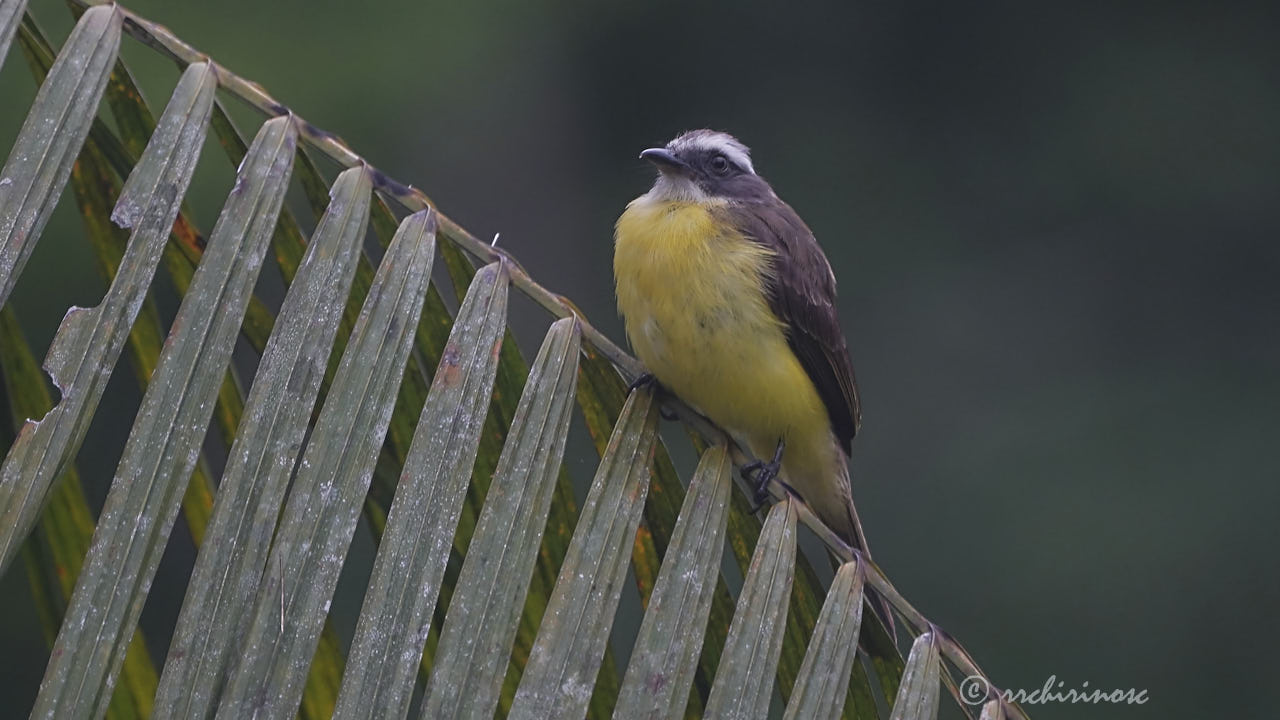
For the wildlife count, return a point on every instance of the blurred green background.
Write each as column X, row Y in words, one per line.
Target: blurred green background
column 1055, row 228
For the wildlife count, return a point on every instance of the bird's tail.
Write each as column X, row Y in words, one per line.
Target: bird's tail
column 825, row 488
column 853, row 534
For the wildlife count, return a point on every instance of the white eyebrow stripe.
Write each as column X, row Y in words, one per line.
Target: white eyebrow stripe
column 717, row 142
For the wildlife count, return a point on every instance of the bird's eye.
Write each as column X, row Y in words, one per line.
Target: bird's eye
column 720, row 164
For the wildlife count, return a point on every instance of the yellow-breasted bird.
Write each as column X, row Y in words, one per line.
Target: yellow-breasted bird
column 730, row 303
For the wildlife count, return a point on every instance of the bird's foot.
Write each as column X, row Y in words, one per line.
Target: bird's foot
column 761, row 473
column 648, row 381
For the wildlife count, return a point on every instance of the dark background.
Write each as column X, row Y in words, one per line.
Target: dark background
column 1054, row 227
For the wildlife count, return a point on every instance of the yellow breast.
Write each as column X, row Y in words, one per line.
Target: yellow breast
column 691, row 291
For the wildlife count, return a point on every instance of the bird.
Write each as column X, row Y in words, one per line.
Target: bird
column 730, row 304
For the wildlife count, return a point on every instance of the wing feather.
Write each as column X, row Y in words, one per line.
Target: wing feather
column 802, row 292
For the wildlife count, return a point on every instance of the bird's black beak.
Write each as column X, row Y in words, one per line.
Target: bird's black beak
column 665, row 160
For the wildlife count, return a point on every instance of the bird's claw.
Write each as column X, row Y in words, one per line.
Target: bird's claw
column 761, row 473
column 643, row 380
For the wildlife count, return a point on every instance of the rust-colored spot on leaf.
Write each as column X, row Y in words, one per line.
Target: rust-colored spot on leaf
column 448, row 372
column 643, row 534
column 187, row 234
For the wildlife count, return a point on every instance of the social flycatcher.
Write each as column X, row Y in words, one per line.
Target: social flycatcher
column 730, row 303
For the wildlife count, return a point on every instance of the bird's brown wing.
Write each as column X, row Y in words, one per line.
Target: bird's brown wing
column 802, row 292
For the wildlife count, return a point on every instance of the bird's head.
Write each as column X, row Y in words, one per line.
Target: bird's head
column 703, row 165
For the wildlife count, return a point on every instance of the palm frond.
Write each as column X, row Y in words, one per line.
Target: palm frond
column 10, row 16
column 56, row 550
column 918, row 693
column 228, row 570
column 163, row 446
column 484, row 613
column 420, row 527
column 560, row 676
column 103, row 610
column 664, row 661
column 333, row 476
column 744, row 684
column 40, row 161
column 832, row 652
column 490, row 591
